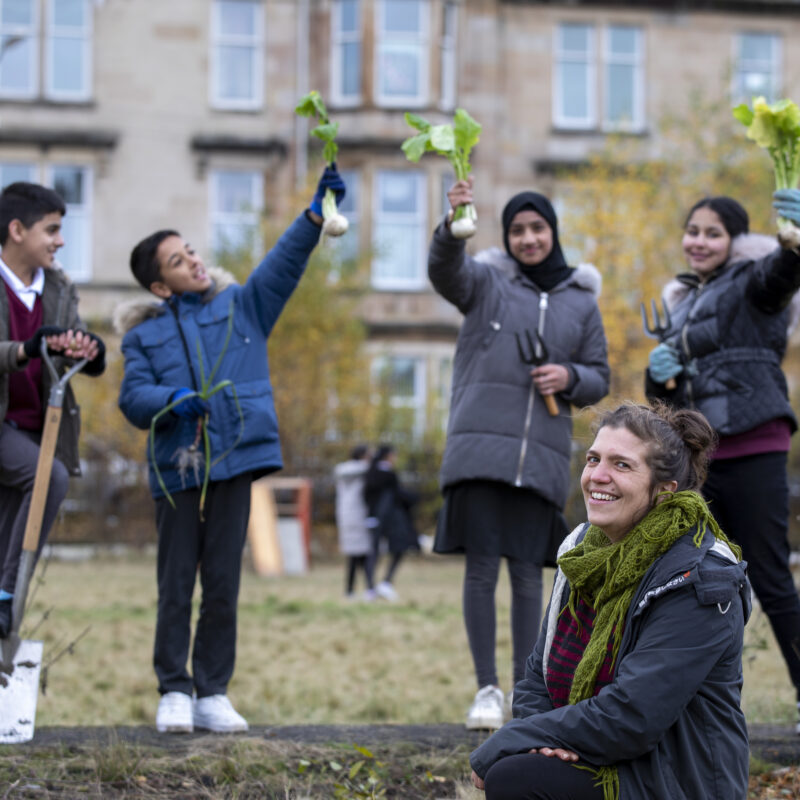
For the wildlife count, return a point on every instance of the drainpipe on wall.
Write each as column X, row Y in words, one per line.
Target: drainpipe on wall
column 301, row 71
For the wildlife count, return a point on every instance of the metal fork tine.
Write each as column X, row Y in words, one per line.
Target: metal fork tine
column 543, row 355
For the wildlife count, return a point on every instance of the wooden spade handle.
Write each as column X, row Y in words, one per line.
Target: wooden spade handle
column 552, row 406
column 41, row 483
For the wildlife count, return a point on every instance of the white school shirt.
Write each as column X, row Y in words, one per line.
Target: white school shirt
column 27, row 294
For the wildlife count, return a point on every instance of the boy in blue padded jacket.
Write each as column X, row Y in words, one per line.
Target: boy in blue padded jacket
column 160, row 346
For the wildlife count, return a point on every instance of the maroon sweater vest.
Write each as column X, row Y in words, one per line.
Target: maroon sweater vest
column 24, row 387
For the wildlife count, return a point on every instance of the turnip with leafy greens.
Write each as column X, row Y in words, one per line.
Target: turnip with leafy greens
column 776, row 128
column 312, row 105
column 454, row 142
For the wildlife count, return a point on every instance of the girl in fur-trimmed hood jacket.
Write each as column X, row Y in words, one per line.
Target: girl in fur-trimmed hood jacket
column 730, row 318
column 505, row 472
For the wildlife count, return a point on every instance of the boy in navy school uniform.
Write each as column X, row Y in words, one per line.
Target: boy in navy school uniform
column 37, row 300
column 161, row 366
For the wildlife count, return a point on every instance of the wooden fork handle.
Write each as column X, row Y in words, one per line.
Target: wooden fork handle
column 552, row 406
column 670, row 384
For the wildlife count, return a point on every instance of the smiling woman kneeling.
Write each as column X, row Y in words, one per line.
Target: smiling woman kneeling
column 633, row 688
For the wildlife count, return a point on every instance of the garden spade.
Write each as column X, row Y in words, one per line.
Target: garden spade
column 21, row 659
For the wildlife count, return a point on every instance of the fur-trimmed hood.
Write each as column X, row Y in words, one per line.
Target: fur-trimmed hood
column 745, row 247
column 131, row 313
column 585, row 276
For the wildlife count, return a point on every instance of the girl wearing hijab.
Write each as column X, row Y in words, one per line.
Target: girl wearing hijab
column 730, row 315
column 505, row 471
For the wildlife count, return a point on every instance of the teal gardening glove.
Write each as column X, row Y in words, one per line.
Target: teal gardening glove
column 664, row 363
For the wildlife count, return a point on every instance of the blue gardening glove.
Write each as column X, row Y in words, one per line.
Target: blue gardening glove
column 664, row 363
column 331, row 179
column 192, row 407
column 787, row 203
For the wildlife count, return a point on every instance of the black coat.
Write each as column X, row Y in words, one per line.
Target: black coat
column 389, row 507
column 731, row 333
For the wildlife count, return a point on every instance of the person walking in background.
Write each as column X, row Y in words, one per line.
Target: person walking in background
column 389, row 509
column 730, row 319
column 355, row 539
column 633, row 691
column 37, row 301
column 505, row 472
column 161, row 344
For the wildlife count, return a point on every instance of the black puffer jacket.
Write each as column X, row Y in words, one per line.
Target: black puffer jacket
column 731, row 332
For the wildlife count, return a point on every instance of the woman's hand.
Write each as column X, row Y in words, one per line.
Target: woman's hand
column 551, row 378
column 476, row 781
column 556, row 752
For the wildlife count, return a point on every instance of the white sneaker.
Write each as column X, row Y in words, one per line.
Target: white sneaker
column 215, row 713
column 386, row 591
column 508, row 707
column 174, row 713
column 486, row 711
column 369, row 596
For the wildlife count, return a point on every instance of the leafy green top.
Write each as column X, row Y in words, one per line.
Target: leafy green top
column 776, row 128
column 312, row 105
column 454, row 142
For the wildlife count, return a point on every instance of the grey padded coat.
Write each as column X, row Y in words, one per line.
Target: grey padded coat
column 492, row 387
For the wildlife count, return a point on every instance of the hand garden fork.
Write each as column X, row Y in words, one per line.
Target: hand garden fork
column 536, row 355
column 659, row 329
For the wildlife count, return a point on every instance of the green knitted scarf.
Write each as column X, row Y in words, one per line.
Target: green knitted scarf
column 606, row 574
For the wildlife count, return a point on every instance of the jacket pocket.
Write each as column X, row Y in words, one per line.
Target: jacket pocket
column 250, row 413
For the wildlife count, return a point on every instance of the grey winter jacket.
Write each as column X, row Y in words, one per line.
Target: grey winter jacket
column 492, row 387
column 731, row 333
column 59, row 307
column 671, row 719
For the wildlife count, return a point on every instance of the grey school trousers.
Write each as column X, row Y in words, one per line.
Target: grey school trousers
column 19, row 453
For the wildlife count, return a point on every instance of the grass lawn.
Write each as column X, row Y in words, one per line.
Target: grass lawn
column 305, row 656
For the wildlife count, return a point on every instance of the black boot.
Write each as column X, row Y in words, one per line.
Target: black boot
column 5, row 617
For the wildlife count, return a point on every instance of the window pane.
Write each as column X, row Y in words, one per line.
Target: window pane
column 396, row 246
column 351, row 68
column 401, row 16
column 399, row 71
column 11, row 173
column 398, row 193
column 15, row 66
column 622, row 41
column 237, row 18
column 16, row 12
column 234, row 192
column 756, row 46
column 236, row 73
column 402, row 378
column 67, row 65
column 619, row 103
column 348, row 16
column 70, row 13
column 68, row 182
column 575, row 90
column 575, row 38
column 74, row 229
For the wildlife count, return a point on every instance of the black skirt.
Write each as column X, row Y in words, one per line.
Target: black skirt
column 495, row 519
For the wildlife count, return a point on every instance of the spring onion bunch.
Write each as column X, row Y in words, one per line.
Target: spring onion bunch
column 312, row 105
column 776, row 128
column 454, row 142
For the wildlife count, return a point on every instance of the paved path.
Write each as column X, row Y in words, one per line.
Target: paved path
column 772, row 743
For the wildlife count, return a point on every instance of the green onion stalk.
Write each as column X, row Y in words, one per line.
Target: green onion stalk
column 192, row 457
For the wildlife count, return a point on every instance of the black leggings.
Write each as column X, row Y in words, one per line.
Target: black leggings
column 354, row 563
column 530, row 776
column 480, row 582
column 749, row 497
